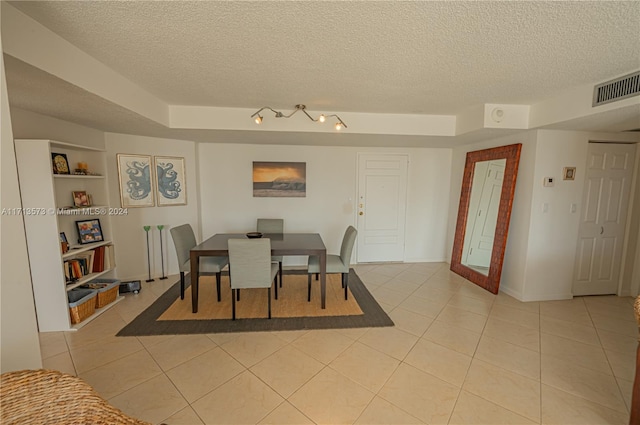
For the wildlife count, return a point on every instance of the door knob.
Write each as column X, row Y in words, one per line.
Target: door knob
column 601, row 229
column 361, row 213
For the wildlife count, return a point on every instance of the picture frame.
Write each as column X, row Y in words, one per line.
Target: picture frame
column 80, row 199
column 60, row 163
column 63, row 237
column 569, row 173
column 170, row 180
column 89, row 231
column 135, row 178
column 279, row 179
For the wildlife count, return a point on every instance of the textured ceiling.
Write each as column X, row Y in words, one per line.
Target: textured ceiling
column 382, row 57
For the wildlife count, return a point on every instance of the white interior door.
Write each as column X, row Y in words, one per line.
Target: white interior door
column 382, row 197
column 602, row 223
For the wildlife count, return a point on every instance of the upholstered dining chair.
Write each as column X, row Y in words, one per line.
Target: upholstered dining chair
column 273, row 225
column 335, row 263
column 250, row 266
column 184, row 240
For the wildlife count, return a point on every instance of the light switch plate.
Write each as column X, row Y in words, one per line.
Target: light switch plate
column 549, row 181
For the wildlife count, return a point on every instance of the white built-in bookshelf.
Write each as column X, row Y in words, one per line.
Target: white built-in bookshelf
column 49, row 212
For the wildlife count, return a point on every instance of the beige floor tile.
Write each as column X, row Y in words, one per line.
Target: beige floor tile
column 463, row 319
column 149, row 341
column 507, row 389
column 394, row 342
column 290, row 336
column 474, row 305
column 287, row 369
column 366, row 366
column 121, row 375
column 374, row 278
column 186, row 416
column 582, row 382
column 616, row 342
column 420, row 394
column 509, row 356
column 385, row 295
column 561, row 408
column 622, row 364
column 152, row 401
column 251, row 347
column 331, row 398
column 509, row 301
column 453, row 337
column 401, row 286
column 428, row 269
column 96, row 331
column 444, row 363
column 437, row 290
column 423, row 306
column 52, row 344
column 223, row 338
column 179, row 349
column 353, row 333
column 286, row 414
column 412, row 277
column 392, row 270
column 87, row 357
column 243, row 400
column 61, row 362
column 515, row 334
column 626, row 388
column 615, row 307
column 573, row 310
column 204, row 373
column 586, row 355
column 474, row 291
column 622, row 327
column 473, row 410
column 570, row 330
column 323, row 345
column 381, row 412
column 516, row 316
column 409, row 321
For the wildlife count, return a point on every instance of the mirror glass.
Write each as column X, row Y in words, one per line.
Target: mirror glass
column 484, row 202
column 488, row 185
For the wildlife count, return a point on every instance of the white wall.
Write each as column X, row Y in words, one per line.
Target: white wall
column 228, row 204
column 19, row 343
column 127, row 230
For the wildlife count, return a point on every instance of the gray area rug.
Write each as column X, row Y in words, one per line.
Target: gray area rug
column 147, row 324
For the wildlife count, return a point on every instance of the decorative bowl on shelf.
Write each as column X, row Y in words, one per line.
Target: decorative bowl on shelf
column 254, row 235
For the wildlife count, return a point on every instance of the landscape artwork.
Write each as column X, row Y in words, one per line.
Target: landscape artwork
column 279, row 179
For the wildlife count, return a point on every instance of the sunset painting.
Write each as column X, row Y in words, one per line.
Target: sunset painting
column 279, row 179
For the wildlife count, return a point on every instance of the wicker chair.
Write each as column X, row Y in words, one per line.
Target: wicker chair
column 51, row 397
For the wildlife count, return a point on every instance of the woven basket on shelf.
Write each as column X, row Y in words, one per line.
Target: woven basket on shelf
column 106, row 297
column 51, row 397
column 82, row 311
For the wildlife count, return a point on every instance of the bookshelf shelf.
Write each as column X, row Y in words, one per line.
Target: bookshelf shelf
column 43, row 190
column 86, row 278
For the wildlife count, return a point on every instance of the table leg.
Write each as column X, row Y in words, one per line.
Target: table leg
column 195, row 266
column 323, row 279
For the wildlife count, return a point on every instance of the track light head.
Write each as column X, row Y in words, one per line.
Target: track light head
column 258, row 119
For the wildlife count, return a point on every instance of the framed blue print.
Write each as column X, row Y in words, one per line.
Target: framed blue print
column 134, row 175
column 171, row 185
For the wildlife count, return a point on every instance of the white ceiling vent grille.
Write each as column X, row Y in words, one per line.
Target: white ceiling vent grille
column 617, row 89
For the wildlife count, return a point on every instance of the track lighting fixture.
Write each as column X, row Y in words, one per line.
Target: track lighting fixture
column 322, row 118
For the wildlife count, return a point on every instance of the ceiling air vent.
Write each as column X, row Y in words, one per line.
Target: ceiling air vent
column 617, row 89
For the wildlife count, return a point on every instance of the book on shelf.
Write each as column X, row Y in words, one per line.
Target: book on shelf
column 93, row 261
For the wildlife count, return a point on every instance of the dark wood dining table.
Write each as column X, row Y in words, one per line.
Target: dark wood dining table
column 281, row 244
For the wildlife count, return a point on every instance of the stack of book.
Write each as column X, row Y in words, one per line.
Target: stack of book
column 96, row 260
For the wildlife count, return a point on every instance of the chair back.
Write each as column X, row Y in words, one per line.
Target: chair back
column 250, row 263
column 270, row 225
column 183, row 239
column 347, row 245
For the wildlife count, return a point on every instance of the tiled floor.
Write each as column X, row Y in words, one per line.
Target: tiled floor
column 457, row 355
